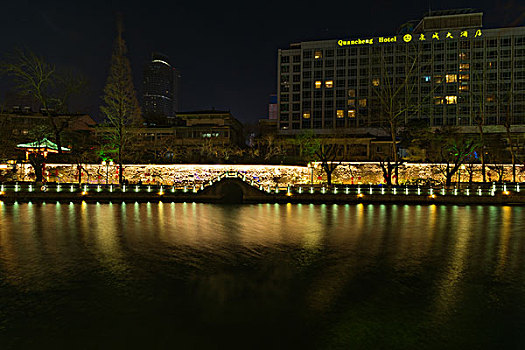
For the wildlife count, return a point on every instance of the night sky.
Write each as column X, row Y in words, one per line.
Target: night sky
column 226, row 52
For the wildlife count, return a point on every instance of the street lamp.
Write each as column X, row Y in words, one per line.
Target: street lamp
column 107, row 164
column 311, row 167
column 462, row 167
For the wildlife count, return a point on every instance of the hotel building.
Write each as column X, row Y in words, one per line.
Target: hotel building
column 445, row 69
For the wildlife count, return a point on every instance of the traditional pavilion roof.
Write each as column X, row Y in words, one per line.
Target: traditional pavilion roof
column 43, row 145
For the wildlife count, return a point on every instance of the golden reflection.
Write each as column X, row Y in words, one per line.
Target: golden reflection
column 448, row 287
column 504, row 240
column 106, row 235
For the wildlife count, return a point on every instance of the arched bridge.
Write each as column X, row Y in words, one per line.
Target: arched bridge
column 232, row 188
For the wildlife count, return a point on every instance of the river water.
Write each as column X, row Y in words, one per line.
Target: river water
column 183, row 275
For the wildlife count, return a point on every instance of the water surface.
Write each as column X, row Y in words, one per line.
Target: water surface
column 186, row 275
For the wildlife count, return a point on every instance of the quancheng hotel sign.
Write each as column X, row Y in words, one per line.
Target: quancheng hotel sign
column 436, row 36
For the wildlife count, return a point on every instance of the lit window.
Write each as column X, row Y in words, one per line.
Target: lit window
column 464, row 66
column 451, row 100
column 375, row 82
column 329, row 83
column 438, row 79
column 318, row 55
column 351, row 92
column 362, row 102
column 464, row 77
column 351, row 102
column 306, row 115
column 490, row 98
column 340, row 113
column 463, row 88
column 317, row 84
column 351, row 113
column 451, row 78
column 463, row 56
column 427, row 78
column 438, row 100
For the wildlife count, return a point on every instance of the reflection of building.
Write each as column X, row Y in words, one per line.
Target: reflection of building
column 158, row 99
column 462, row 72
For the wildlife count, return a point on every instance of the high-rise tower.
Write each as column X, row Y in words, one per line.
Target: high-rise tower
column 158, row 99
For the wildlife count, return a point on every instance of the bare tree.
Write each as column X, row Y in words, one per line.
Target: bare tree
column 37, row 159
column 325, row 150
column 451, row 148
column 396, row 95
column 120, row 105
column 505, row 103
column 53, row 88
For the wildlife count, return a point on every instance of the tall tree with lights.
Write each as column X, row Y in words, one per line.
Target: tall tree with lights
column 120, row 106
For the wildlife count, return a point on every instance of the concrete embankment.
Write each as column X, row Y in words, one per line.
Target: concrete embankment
column 237, row 191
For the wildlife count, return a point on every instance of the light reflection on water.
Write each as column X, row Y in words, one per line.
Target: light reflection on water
column 306, row 275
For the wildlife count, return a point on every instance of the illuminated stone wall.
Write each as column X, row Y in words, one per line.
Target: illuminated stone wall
column 186, row 174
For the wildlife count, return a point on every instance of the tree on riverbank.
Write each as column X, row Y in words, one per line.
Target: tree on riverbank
column 321, row 149
column 120, row 106
column 52, row 87
column 451, row 148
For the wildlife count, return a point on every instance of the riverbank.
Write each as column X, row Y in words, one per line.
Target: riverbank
column 237, row 190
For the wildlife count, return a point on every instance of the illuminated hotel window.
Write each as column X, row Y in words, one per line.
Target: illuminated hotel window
column 438, row 79
column 463, row 88
column 451, row 100
column 351, row 102
column 362, row 102
column 318, row 55
column 438, row 100
column 375, row 82
column 427, row 78
column 340, row 113
column 463, row 56
column 464, row 66
column 464, row 77
column 351, row 113
column 317, row 84
column 451, row 78
column 351, row 92
column 306, row 115
column 490, row 98
column 329, row 83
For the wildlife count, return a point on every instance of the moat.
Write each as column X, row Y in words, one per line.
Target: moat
column 261, row 275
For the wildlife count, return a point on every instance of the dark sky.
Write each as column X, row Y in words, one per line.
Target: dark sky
column 226, row 52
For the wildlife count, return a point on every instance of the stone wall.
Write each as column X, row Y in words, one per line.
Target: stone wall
column 189, row 174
